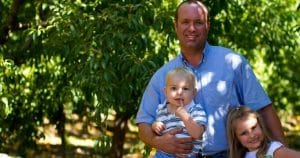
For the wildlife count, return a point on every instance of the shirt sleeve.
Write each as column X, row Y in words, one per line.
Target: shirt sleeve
column 150, row 100
column 250, row 89
column 273, row 147
column 199, row 115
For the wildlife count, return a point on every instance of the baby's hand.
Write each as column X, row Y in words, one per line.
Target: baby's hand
column 158, row 127
column 180, row 111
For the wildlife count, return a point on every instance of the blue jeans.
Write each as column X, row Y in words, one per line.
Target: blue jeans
column 222, row 154
column 160, row 154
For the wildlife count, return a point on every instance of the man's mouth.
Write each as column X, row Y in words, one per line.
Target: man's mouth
column 190, row 36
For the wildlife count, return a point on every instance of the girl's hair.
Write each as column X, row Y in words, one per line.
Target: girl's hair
column 236, row 150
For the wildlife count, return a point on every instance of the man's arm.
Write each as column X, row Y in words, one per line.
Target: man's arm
column 273, row 123
column 167, row 142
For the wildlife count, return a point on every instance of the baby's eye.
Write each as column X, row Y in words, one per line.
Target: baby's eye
column 186, row 88
column 173, row 88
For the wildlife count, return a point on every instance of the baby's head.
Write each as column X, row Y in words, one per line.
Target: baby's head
column 180, row 86
column 182, row 73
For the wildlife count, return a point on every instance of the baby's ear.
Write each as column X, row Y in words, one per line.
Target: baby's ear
column 195, row 91
column 165, row 91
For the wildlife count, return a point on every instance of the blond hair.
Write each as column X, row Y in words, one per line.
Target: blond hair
column 183, row 72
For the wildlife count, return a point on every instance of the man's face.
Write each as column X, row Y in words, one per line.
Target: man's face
column 191, row 27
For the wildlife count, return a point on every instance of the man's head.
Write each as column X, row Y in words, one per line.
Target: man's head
column 189, row 2
column 191, row 25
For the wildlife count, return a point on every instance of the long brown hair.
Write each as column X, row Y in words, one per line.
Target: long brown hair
column 236, row 149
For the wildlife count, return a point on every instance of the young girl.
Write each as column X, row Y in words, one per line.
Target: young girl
column 180, row 111
column 247, row 137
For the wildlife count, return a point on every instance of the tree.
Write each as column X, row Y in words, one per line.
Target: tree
column 80, row 58
column 89, row 57
column 267, row 33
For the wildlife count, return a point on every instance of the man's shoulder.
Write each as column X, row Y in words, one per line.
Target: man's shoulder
column 220, row 52
column 220, row 49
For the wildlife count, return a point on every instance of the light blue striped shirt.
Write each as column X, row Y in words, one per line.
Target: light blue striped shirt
column 171, row 121
column 224, row 79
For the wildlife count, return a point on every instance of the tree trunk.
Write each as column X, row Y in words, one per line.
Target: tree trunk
column 61, row 129
column 119, row 130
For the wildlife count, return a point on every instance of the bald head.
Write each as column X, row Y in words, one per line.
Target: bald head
column 200, row 4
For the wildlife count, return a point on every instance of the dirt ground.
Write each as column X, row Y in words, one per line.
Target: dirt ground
column 82, row 138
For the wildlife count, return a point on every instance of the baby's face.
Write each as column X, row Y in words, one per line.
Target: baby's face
column 180, row 90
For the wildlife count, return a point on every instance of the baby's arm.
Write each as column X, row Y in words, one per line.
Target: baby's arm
column 193, row 128
column 158, row 127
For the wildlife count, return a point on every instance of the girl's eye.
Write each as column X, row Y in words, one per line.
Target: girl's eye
column 243, row 133
column 254, row 127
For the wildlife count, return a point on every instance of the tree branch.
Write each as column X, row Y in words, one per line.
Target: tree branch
column 11, row 22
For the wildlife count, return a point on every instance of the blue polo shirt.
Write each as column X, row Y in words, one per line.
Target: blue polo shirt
column 224, row 79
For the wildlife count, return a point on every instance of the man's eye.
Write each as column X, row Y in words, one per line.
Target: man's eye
column 199, row 23
column 185, row 22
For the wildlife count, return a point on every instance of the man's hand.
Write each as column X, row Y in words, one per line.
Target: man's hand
column 169, row 143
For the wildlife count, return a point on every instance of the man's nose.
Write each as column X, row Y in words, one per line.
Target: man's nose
column 192, row 27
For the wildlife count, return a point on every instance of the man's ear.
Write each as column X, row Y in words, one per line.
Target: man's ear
column 175, row 25
column 208, row 26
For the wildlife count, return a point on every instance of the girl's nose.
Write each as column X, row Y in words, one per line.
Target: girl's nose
column 252, row 135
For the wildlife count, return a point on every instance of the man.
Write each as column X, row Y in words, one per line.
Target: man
column 224, row 79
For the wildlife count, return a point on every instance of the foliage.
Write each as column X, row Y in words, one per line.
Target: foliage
column 267, row 33
column 90, row 57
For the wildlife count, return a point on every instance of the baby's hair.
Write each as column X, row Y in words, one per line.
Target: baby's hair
column 181, row 71
column 235, row 147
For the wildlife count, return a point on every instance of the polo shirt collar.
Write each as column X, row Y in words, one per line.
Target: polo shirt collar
column 186, row 63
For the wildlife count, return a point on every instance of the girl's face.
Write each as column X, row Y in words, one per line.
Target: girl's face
column 179, row 90
column 249, row 132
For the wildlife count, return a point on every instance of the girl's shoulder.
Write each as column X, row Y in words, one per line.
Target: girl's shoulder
column 273, row 147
